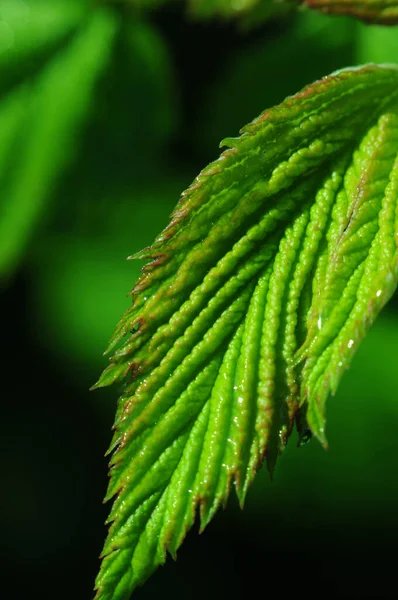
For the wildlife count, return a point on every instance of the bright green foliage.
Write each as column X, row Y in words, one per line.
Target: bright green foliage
column 374, row 11
column 31, row 29
column 275, row 264
column 39, row 121
column 377, row 44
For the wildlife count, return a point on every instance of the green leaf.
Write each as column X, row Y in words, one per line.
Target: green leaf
column 30, row 30
column 148, row 74
column 39, row 123
column 373, row 11
column 275, row 264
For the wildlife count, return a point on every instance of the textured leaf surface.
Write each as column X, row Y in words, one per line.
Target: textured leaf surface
column 255, row 297
column 373, row 11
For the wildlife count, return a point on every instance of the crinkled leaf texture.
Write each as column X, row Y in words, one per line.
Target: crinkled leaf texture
column 374, row 11
column 255, row 298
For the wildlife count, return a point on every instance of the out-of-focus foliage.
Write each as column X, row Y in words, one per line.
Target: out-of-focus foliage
column 76, row 268
column 43, row 111
column 31, row 31
column 43, row 116
column 253, row 12
column 374, row 11
column 376, row 44
column 318, row 44
column 248, row 13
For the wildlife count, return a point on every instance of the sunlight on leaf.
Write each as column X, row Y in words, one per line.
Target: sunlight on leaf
column 254, row 300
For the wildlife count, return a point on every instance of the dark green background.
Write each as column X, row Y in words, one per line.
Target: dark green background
column 327, row 525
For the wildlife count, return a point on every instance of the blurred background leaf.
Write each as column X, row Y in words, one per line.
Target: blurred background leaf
column 371, row 11
column 163, row 93
column 30, row 31
column 376, row 43
column 45, row 131
column 248, row 13
column 262, row 76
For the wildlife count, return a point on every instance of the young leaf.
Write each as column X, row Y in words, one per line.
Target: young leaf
column 45, row 118
column 255, row 297
column 374, row 11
